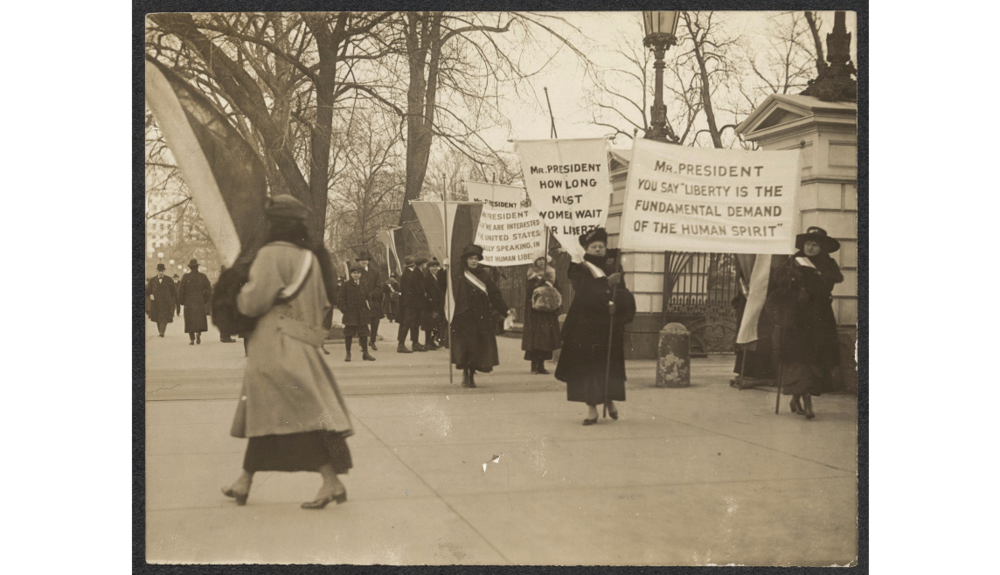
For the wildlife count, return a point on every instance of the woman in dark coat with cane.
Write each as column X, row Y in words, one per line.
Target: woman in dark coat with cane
column 540, row 335
column 601, row 304
column 804, row 313
column 473, row 326
column 195, row 293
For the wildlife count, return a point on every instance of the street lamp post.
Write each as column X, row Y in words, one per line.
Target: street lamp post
column 660, row 27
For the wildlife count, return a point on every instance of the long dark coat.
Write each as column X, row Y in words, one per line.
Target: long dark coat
column 473, row 327
column 412, row 301
column 371, row 279
column 353, row 303
column 583, row 360
column 194, row 294
column 161, row 299
column 541, row 328
column 806, row 327
column 434, row 293
column 390, row 302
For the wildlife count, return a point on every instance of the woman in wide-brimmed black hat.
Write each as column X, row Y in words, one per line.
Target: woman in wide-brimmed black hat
column 473, row 328
column 806, row 328
column 600, row 298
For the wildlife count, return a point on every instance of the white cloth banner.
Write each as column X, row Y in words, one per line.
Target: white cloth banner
column 510, row 231
column 569, row 185
column 708, row 200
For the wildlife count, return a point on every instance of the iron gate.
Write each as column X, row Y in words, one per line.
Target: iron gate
column 698, row 291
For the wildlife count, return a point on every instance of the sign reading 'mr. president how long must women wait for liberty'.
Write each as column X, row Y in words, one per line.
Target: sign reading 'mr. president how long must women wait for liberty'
column 708, row 200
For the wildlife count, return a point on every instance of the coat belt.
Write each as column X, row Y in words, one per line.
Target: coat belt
column 314, row 336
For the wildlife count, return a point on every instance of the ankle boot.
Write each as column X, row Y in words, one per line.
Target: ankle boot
column 795, row 406
column 401, row 348
column 534, row 366
column 541, row 367
column 807, row 399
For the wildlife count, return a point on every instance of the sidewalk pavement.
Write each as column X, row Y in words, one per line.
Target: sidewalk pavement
column 505, row 473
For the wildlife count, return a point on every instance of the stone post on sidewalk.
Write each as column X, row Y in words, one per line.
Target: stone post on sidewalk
column 673, row 365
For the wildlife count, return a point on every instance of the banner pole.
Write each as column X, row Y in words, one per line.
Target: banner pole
column 447, row 291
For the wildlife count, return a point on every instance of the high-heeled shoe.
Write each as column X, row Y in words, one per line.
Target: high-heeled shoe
column 321, row 503
column 241, row 498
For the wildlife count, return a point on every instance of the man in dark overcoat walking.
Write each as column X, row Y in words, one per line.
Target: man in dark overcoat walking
column 161, row 299
column 371, row 280
column 194, row 294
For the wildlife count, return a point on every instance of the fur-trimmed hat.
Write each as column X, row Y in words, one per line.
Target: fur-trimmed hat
column 285, row 206
column 818, row 235
column 472, row 250
column 594, row 235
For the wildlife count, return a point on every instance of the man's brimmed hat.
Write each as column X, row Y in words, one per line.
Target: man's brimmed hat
column 408, row 261
column 193, row 263
column 160, row 267
column 420, row 260
column 433, row 262
column 594, row 235
column 285, row 206
column 363, row 256
column 818, row 235
column 472, row 250
column 356, row 267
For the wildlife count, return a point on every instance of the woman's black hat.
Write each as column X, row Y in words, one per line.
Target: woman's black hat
column 818, row 235
column 594, row 235
column 472, row 250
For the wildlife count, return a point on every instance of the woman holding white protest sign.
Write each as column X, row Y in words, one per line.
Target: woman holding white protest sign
column 807, row 329
column 473, row 335
column 543, row 303
column 592, row 366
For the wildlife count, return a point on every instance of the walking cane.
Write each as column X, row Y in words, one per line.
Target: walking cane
column 781, row 367
column 611, row 332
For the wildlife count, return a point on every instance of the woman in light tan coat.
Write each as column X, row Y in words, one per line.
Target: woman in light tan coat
column 290, row 407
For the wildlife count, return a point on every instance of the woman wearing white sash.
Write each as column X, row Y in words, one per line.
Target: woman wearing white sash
column 473, row 335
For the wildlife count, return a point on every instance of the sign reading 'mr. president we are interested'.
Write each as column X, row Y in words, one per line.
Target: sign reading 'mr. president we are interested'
column 709, row 200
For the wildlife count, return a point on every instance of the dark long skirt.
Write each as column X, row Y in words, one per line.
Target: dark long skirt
column 474, row 343
column 307, row 451
column 540, row 332
column 589, row 389
column 803, row 378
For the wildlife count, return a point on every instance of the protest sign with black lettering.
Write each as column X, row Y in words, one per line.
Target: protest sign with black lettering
column 510, row 232
column 708, row 200
column 568, row 183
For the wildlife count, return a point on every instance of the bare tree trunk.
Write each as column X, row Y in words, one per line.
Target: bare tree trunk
column 706, row 90
column 821, row 64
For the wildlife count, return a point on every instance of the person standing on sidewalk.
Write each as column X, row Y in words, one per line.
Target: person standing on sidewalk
column 412, row 286
column 433, row 298
column 438, row 290
column 372, row 282
column 583, row 362
column 390, row 300
column 194, row 294
column 355, row 307
column 543, row 302
column 808, row 342
column 161, row 299
column 290, row 408
column 473, row 326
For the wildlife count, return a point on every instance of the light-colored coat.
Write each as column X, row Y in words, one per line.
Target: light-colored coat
column 287, row 387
